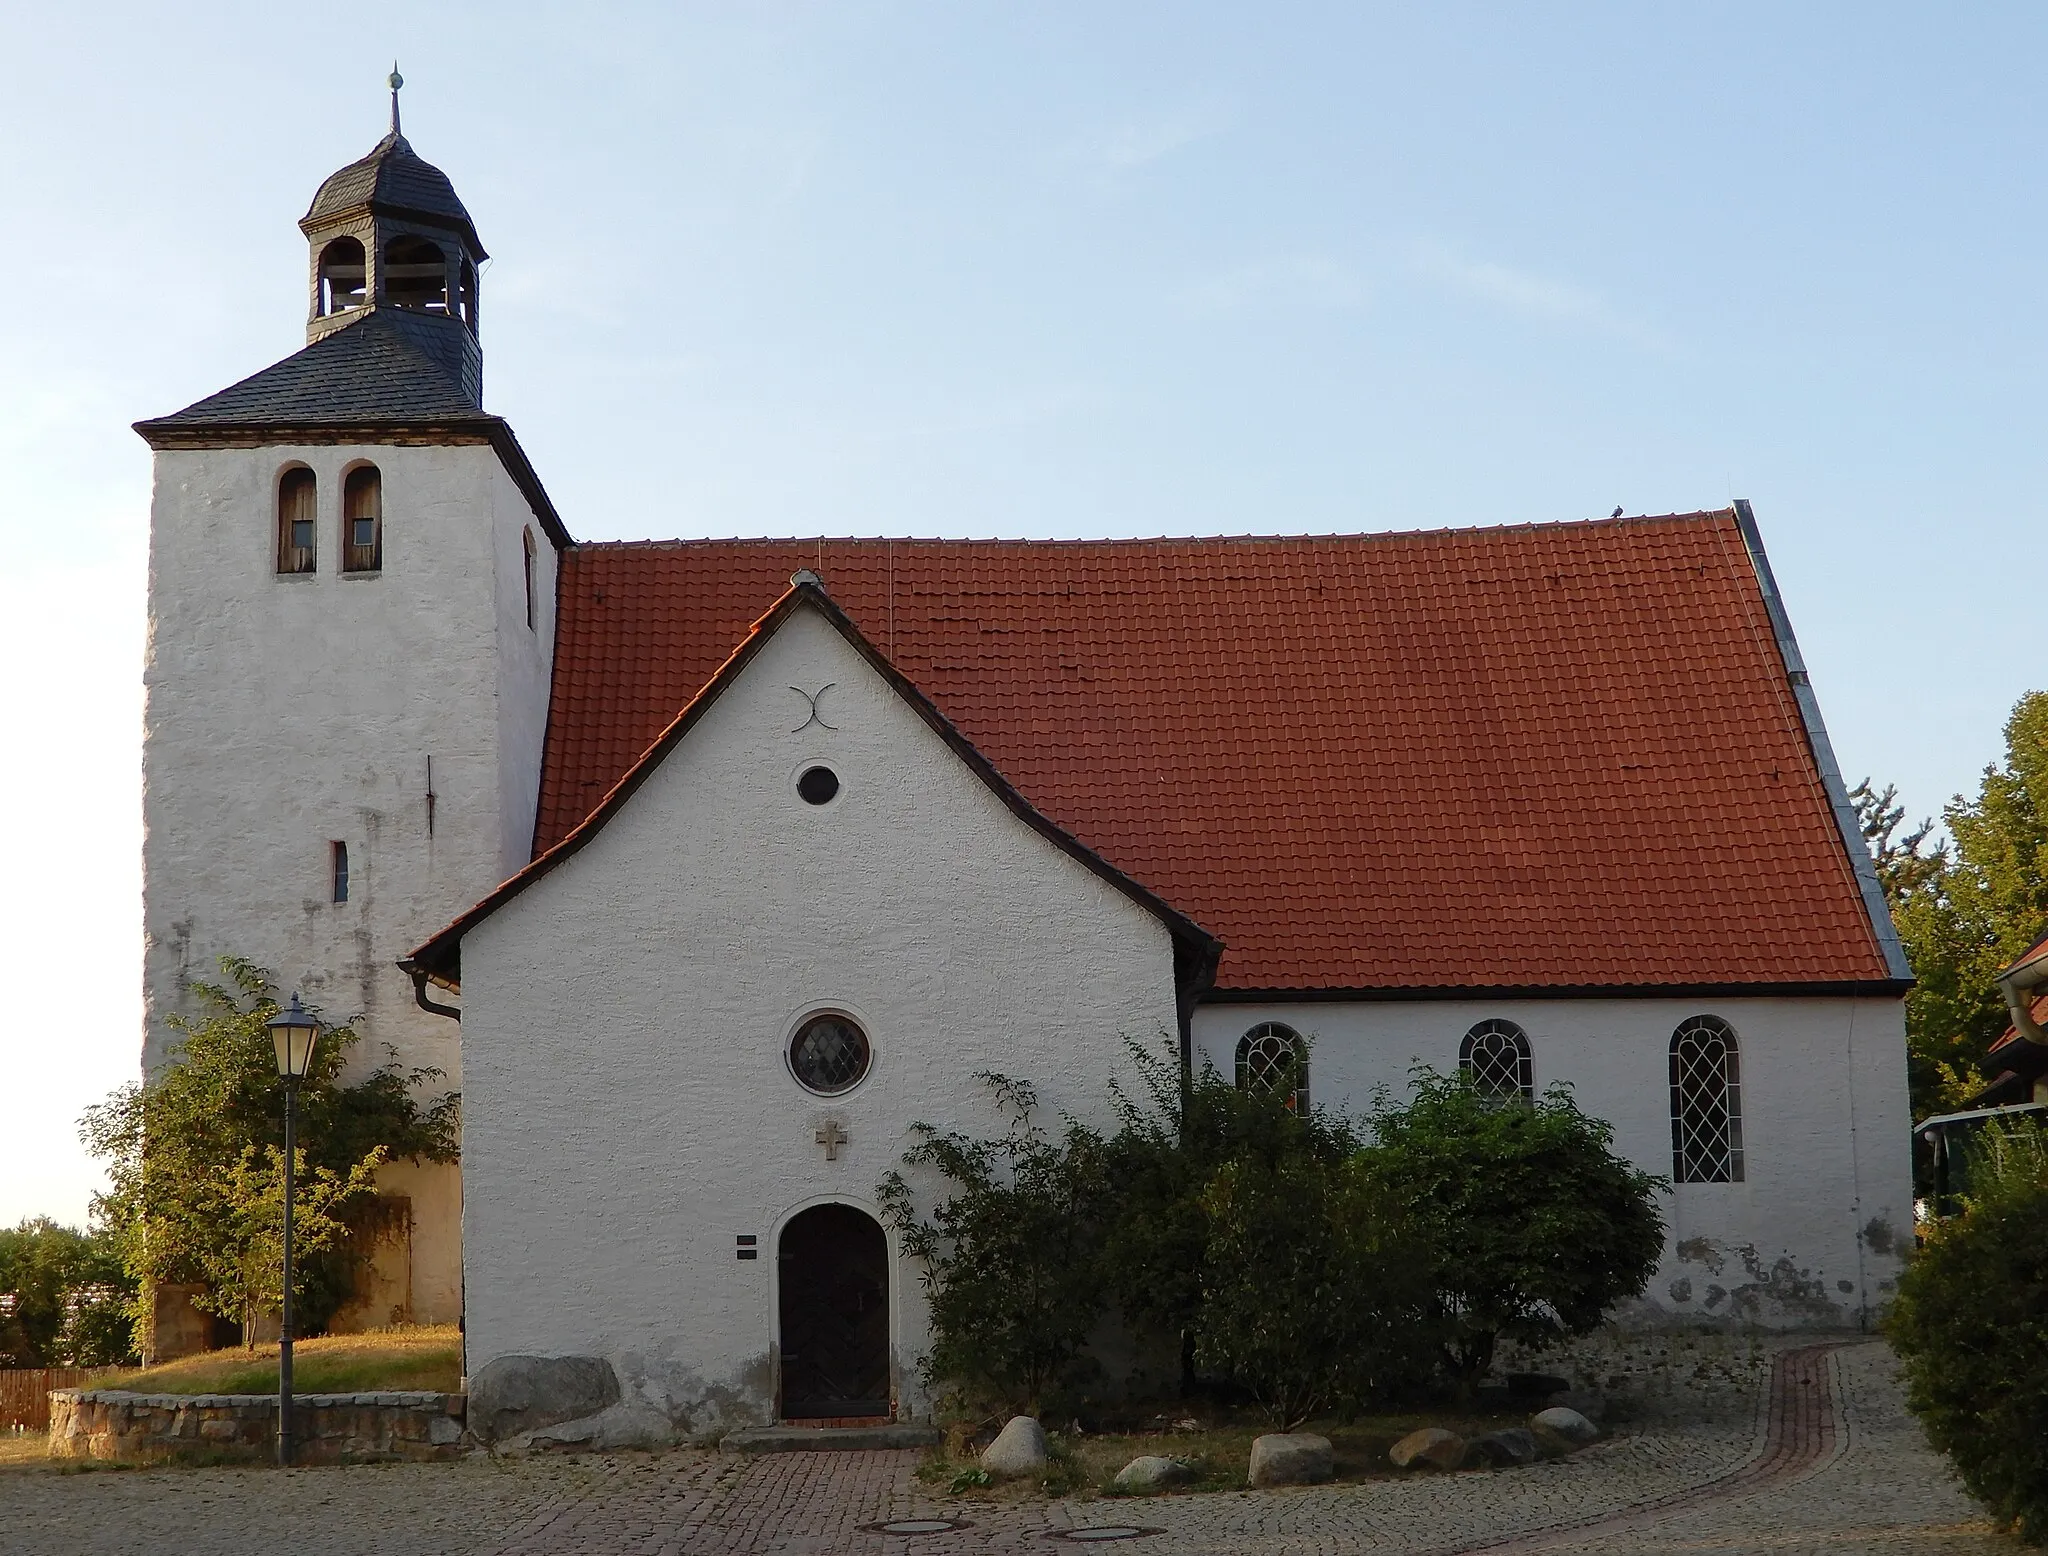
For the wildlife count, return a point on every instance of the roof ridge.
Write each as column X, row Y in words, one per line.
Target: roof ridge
column 683, row 543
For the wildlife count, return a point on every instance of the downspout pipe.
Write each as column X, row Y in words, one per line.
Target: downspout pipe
column 419, row 976
column 2019, row 985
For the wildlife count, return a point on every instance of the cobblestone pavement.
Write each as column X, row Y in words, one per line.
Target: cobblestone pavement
column 1829, row 1463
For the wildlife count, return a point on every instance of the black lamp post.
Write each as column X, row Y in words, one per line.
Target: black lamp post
column 294, row 1032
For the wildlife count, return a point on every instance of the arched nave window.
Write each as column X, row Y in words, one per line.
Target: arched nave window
column 1706, row 1102
column 1495, row 1054
column 1272, row 1058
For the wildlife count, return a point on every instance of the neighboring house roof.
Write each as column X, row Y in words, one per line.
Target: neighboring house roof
column 2013, row 1062
column 1540, row 759
column 1195, row 951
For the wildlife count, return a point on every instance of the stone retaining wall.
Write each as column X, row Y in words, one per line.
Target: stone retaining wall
column 328, row 1428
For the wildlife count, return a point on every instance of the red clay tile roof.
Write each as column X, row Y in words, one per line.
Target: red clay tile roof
column 1556, row 756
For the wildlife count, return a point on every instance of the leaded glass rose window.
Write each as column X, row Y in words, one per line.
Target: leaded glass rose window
column 829, row 1054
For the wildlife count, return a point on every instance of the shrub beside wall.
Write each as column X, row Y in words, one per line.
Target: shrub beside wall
column 1971, row 1322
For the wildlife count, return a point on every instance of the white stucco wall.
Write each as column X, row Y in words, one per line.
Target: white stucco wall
column 628, row 1105
column 1811, row 1237
column 287, row 712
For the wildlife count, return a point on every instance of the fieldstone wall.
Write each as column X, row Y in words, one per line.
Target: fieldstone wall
column 328, row 1428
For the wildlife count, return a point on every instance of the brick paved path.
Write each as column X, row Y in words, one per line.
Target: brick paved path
column 1830, row 1464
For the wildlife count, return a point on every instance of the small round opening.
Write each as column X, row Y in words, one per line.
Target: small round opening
column 829, row 1054
column 817, row 785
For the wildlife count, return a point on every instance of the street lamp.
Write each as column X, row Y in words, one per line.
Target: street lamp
column 294, row 1032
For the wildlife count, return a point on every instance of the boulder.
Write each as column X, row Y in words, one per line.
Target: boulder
column 1431, row 1446
column 1150, row 1472
column 1562, row 1421
column 514, row 1395
column 1506, row 1448
column 621, row 1426
column 1019, row 1449
column 1290, row 1459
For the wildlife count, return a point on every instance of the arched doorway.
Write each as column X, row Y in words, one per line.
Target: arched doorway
column 833, row 1269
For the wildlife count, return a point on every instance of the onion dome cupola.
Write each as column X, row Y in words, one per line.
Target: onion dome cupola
column 388, row 232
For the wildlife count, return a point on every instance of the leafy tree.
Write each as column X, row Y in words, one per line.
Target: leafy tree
column 1964, row 912
column 1172, row 1141
column 1013, row 1256
column 1533, row 1226
column 1968, row 1322
column 196, row 1155
column 56, row 1283
column 1314, row 1291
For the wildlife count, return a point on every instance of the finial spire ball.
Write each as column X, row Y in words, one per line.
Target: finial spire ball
column 397, row 81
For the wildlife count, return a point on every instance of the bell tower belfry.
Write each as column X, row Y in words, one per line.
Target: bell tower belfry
column 352, row 575
column 387, row 231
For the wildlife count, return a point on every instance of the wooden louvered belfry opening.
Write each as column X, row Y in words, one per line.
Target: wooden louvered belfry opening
column 362, row 520
column 298, row 495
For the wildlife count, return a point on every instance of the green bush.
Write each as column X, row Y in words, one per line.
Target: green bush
column 1171, row 1143
column 1314, row 1294
column 1012, row 1256
column 1534, row 1226
column 1971, row 1322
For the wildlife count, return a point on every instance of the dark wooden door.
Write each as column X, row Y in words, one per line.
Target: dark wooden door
column 835, row 1315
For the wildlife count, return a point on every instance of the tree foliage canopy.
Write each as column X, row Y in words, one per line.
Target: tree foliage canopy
column 196, row 1155
column 1965, row 910
column 64, row 1298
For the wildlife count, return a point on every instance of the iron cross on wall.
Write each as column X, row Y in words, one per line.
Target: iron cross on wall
column 831, row 1137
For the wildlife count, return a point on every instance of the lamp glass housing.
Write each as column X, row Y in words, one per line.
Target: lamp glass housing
column 293, row 1032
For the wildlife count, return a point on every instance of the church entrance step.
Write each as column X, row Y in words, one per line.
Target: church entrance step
column 827, row 1439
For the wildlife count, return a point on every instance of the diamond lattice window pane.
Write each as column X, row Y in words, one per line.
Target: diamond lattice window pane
column 1706, row 1103
column 1272, row 1058
column 1495, row 1054
column 829, row 1054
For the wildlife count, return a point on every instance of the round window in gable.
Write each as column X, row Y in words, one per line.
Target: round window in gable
column 829, row 1054
column 817, row 785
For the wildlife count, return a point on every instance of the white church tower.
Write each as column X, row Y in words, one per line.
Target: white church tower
column 351, row 626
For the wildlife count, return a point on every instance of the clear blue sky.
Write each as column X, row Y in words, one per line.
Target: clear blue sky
column 1046, row 269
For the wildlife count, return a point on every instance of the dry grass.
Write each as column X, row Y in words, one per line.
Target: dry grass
column 410, row 1358
column 24, row 1448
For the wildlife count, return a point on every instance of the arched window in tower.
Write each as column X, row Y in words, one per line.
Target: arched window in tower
column 1272, row 1058
column 1706, row 1102
column 1495, row 1056
column 469, row 295
column 526, row 548
column 416, row 274
column 343, row 276
column 362, row 520
column 297, row 496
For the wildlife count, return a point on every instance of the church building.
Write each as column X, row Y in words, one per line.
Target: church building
column 707, row 868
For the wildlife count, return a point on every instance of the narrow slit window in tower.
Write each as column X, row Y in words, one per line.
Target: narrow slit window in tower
column 343, row 276
column 297, row 496
column 339, row 863
column 526, row 547
column 362, row 520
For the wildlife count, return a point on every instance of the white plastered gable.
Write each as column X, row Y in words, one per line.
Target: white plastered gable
column 629, row 1110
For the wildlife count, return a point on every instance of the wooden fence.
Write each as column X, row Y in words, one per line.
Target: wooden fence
column 25, row 1392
